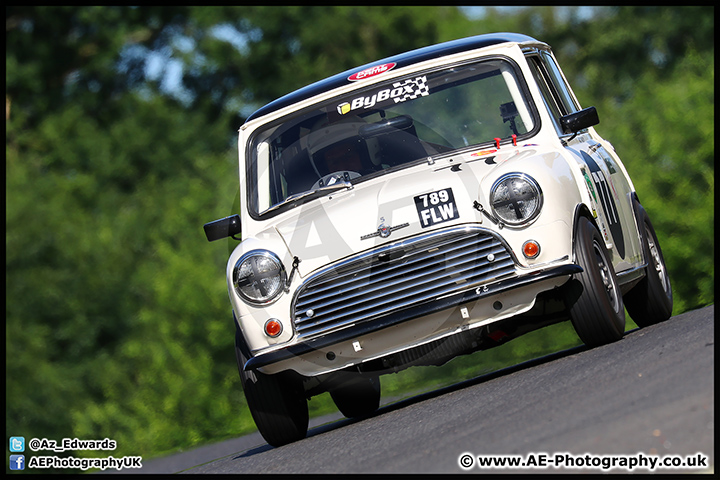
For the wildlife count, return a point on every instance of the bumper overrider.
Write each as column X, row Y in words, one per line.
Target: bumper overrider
column 408, row 294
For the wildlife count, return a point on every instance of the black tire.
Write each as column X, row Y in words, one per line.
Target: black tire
column 651, row 300
column 598, row 316
column 358, row 396
column 277, row 402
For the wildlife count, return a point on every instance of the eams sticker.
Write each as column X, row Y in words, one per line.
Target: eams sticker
column 371, row 72
column 436, row 207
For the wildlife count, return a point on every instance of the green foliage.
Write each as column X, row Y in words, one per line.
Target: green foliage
column 118, row 323
column 674, row 168
column 659, row 114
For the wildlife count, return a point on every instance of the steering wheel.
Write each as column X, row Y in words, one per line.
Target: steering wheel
column 334, row 178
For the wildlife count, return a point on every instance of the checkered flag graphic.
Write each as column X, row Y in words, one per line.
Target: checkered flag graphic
column 412, row 88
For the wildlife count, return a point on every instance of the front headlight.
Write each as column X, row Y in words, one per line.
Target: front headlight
column 516, row 199
column 259, row 277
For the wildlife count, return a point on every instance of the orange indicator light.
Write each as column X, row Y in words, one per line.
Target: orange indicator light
column 531, row 249
column 273, row 328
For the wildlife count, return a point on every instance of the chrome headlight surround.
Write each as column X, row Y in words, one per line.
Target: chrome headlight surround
column 516, row 199
column 259, row 277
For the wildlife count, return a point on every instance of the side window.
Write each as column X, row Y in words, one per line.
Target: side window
column 558, row 81
column 555, row 92
column 549, row 98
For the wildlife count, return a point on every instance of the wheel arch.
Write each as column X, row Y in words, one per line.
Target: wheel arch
column 240, row 339
column 582, row 210
column 638, row 211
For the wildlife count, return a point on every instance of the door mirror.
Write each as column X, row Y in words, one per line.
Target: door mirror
column 225, row 227
column 577, row 121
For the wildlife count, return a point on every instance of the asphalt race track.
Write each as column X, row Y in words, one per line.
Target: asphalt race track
column 651, row 393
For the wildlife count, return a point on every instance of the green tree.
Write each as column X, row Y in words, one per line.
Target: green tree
column 650, row 73
column 658, row 111
column 118, row 322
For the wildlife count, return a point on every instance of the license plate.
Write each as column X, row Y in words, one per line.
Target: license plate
column 436, row 207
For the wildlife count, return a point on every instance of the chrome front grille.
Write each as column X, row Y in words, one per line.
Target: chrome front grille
column 399, row 276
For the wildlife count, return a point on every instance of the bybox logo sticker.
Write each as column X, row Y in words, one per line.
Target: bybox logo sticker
column 410, row 89
column 17, row 444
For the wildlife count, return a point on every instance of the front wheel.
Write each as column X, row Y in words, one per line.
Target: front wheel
column 277, row 402
column 651, row 300
column 598, row 316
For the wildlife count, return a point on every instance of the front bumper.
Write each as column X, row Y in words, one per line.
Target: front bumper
column 413, row 326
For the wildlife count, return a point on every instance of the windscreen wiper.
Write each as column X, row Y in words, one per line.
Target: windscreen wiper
column 318, row 191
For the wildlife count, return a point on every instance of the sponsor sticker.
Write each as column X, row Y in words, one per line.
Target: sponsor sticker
column 604, row 189
column 483, row 152
column 409, row 89
column 371, row 72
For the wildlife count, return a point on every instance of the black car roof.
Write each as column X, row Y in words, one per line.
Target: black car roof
column 401, row 60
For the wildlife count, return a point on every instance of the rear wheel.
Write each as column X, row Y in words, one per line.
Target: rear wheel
column 277, row 402
column 358, row 396
column 598, row 316
column 651, row 300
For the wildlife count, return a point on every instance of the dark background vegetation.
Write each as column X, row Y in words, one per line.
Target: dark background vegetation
column 121, row 142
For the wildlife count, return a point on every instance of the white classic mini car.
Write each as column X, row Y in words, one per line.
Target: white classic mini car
column 424, row 206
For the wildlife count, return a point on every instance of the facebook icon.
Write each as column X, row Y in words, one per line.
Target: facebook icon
column 17, row 462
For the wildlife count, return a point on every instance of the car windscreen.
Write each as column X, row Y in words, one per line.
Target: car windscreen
column 385, row 127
